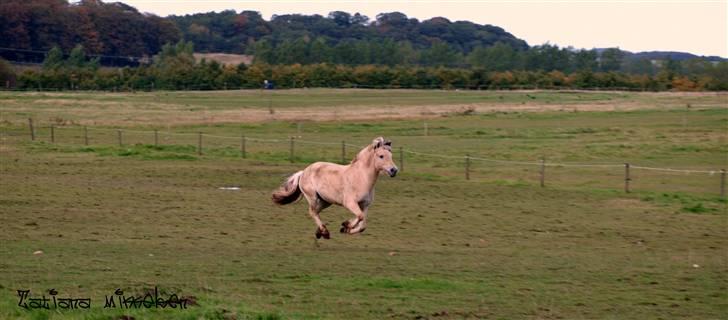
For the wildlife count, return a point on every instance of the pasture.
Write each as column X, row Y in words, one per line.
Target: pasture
column 497, row 246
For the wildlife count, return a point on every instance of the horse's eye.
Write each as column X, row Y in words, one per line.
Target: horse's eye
column 381, row 157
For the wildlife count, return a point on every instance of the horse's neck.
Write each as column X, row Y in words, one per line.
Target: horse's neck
column 365, row 165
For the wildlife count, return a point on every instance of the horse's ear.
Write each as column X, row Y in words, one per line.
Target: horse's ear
column 388, row 143
column 377, row 142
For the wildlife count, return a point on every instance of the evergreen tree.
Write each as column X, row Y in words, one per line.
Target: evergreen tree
column 611, row 59
column 54, row 59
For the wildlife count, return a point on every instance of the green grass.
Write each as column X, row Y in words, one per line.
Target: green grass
column 164, row 108
column 325, row 97
column 498, row 246
column 650, row 138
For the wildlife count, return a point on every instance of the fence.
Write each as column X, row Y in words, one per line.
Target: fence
column 290, row 149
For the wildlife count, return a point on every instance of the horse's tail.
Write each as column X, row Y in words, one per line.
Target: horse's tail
column 289, row 190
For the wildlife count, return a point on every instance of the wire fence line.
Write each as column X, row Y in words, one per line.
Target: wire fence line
column 711, row 172
column 557, row 164
column 298, row 140
column 293, row 140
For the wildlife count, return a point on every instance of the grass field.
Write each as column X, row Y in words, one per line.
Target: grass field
column 194, row 108
column 437, row 247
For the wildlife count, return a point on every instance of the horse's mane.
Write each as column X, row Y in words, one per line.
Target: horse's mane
column 379, row 142
column 361, row 153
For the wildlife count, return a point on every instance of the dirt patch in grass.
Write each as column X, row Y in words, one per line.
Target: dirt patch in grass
column 624, row 203
column 255, row 106
column 155, row 113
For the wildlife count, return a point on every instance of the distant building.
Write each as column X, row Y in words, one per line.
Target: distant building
column 226, row 58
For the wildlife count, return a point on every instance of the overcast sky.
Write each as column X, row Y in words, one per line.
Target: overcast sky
column 699, row 27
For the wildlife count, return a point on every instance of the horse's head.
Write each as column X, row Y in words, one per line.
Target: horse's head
column 382, row 153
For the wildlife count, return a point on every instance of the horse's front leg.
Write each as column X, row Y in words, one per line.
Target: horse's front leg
column 356, row 224
column 362, row 225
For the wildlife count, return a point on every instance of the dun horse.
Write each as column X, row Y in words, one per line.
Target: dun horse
column 350, row 186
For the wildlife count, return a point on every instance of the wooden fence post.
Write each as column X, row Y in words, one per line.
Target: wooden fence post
column 118, row 136
column 32, row 129
column 543, row 172
column 401, row 159
column 53, row 133
column 85, row 135
column 290, row 157
column 627, row 179
column 242, row 146
column 199, row 143
column 722, row 183
column 343, row 152
column 467, row 167
column 156, row 137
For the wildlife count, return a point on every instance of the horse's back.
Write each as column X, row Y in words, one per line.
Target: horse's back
column 318, row 168
column 324, row 179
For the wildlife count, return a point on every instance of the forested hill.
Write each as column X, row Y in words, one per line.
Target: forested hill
column 674, row 55
column 70, row 40
column 30, row 28
column 118, row 34
column 350, row 38
column 114, row 29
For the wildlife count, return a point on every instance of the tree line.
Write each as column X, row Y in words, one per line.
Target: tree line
column 393, row 39
column 391, row 50
column 120, row 35
column 175, row 68
column 247, row 32
column 115, row 32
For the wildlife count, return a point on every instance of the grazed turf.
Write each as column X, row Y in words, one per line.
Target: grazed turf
column 210, row 107
column 437, row 246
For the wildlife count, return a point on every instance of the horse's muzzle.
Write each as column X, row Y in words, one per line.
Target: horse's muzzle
column 392, row 172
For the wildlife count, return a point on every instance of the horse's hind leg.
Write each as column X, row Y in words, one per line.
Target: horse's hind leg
column 314, row 207
column 321, row 231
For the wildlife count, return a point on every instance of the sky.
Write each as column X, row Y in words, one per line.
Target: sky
column 699, row 27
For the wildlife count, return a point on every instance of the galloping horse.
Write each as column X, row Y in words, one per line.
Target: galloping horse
column 350, row 186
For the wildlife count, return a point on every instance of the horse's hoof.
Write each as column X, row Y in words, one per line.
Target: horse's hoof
column 344, row 227
column 323, row 233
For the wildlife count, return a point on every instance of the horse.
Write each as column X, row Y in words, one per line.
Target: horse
column 350, row 186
